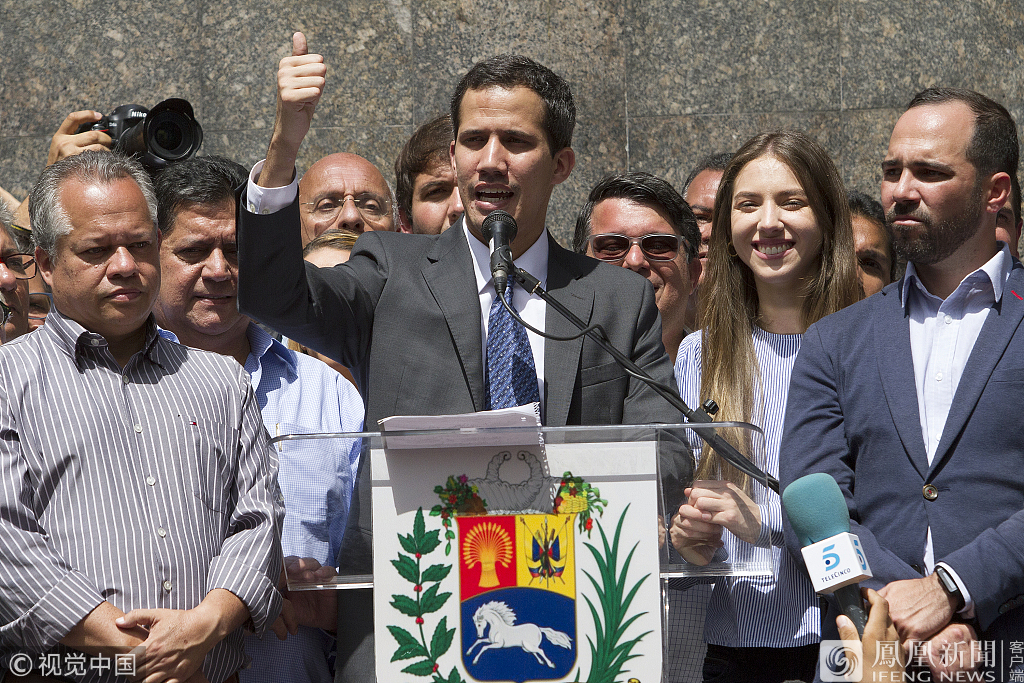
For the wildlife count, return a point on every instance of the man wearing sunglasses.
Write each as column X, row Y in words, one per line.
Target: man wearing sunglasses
column 638, row 221
column 15, row 271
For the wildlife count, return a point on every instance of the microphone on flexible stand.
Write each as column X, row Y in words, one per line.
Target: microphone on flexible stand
column 499, row 229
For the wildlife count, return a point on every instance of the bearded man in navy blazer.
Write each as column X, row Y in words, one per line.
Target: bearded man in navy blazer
column 408, row 313
column 911, row 398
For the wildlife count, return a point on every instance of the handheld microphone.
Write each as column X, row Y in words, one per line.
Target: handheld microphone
column 499, row 229
column 834, row 559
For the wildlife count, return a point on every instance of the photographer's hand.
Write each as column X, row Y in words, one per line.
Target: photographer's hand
column 300, row 83
column 67, row 143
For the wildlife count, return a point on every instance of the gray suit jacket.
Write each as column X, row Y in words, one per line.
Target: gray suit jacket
column 404, row 315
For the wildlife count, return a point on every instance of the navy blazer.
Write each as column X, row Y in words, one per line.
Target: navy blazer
column 853, row 413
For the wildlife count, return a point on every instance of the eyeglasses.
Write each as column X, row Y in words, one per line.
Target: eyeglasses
column 656, row 246
column 22, row 265
column 39, row 305
column 372, row 207
column 6, row 311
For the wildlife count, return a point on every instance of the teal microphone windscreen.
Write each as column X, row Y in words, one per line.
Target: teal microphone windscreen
column 816, row 508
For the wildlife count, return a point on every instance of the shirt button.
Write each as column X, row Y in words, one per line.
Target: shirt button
column 948, row 319
column 124, row 379
column 138, row 428
column 930, row 492
column 161, row 532
column 168, row 586
column 938, row 377
column 151, row 480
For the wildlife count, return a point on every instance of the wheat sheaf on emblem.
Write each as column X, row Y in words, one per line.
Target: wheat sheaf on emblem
column 488, row 545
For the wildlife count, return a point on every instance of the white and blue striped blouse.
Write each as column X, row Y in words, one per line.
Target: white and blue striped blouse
column 759, row 611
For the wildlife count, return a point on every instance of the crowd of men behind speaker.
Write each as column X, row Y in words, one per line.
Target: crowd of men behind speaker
column 183, row 296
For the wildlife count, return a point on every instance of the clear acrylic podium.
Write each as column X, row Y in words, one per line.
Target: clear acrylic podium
column 669, row 442
column 598, row 554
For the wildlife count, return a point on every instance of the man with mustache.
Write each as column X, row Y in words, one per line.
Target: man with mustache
column 908, row 398
column 296, row 393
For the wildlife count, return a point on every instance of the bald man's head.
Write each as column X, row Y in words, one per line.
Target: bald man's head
column 345, row 192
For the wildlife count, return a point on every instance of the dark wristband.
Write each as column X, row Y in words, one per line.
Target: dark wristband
column 949, row 585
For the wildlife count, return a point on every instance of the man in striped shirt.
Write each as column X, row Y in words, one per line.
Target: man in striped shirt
column 296, row 394
column 137, row 500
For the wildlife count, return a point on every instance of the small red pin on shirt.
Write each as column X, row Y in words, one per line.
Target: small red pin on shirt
column 1017, row 295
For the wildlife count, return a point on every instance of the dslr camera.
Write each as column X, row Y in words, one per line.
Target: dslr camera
column 157, row 137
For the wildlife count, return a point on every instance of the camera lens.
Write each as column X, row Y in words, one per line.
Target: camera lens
column 171, row 135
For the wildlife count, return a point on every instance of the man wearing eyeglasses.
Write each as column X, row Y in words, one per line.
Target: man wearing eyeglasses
column 638, row 221
column 15, row 271
column 344, row 192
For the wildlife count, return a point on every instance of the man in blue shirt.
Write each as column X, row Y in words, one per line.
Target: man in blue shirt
column 296, row 394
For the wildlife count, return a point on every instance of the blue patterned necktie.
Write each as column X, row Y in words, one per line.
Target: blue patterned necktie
column 511, row 373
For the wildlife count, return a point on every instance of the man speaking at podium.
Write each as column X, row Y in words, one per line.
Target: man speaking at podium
column 411, row 314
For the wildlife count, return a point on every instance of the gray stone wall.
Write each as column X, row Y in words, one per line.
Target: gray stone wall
column 658, row 83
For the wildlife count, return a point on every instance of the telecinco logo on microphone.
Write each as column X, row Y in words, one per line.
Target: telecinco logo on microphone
column 836, row 562
column 840, row 661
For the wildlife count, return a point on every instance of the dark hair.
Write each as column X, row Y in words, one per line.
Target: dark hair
column 712, row 162
column 864, row 205
column 994, row 146
column 648, row 190
column 201, row 180
column 509, row 71
column 427, row 148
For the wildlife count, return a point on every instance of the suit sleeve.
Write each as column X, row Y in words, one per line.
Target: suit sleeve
column 814, row 440
column 643, row 405
column 327, row 309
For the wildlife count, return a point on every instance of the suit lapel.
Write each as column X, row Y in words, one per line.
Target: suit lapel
column 1000, row 324
column 896, row 368
column 451, row 280
column 561, row 358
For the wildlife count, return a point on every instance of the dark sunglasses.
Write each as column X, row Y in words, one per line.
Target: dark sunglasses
column 657, row 246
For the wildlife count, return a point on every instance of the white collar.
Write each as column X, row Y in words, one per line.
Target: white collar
column 534, row 261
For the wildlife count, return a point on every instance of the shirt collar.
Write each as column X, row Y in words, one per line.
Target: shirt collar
column 74, row 339
column 534, row 261
column 996, row 271
column 261, row 342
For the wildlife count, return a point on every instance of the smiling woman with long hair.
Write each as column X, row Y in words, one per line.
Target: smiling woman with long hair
column 780, row 258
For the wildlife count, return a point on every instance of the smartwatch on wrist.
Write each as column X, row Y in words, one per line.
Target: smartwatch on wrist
column 949, row 585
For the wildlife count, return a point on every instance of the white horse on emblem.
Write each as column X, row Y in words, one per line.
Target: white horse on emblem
column 504, row 633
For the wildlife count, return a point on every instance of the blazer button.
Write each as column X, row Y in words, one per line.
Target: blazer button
column 930, row 492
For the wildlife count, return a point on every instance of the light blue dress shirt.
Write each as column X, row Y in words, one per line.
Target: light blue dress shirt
column 300, row 394
column 942, row 337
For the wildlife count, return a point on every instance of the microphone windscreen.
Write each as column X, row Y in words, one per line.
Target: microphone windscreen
column 816, row 508
column 506, row 221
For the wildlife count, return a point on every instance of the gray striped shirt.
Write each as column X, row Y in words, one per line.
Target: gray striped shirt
column 145, row 487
